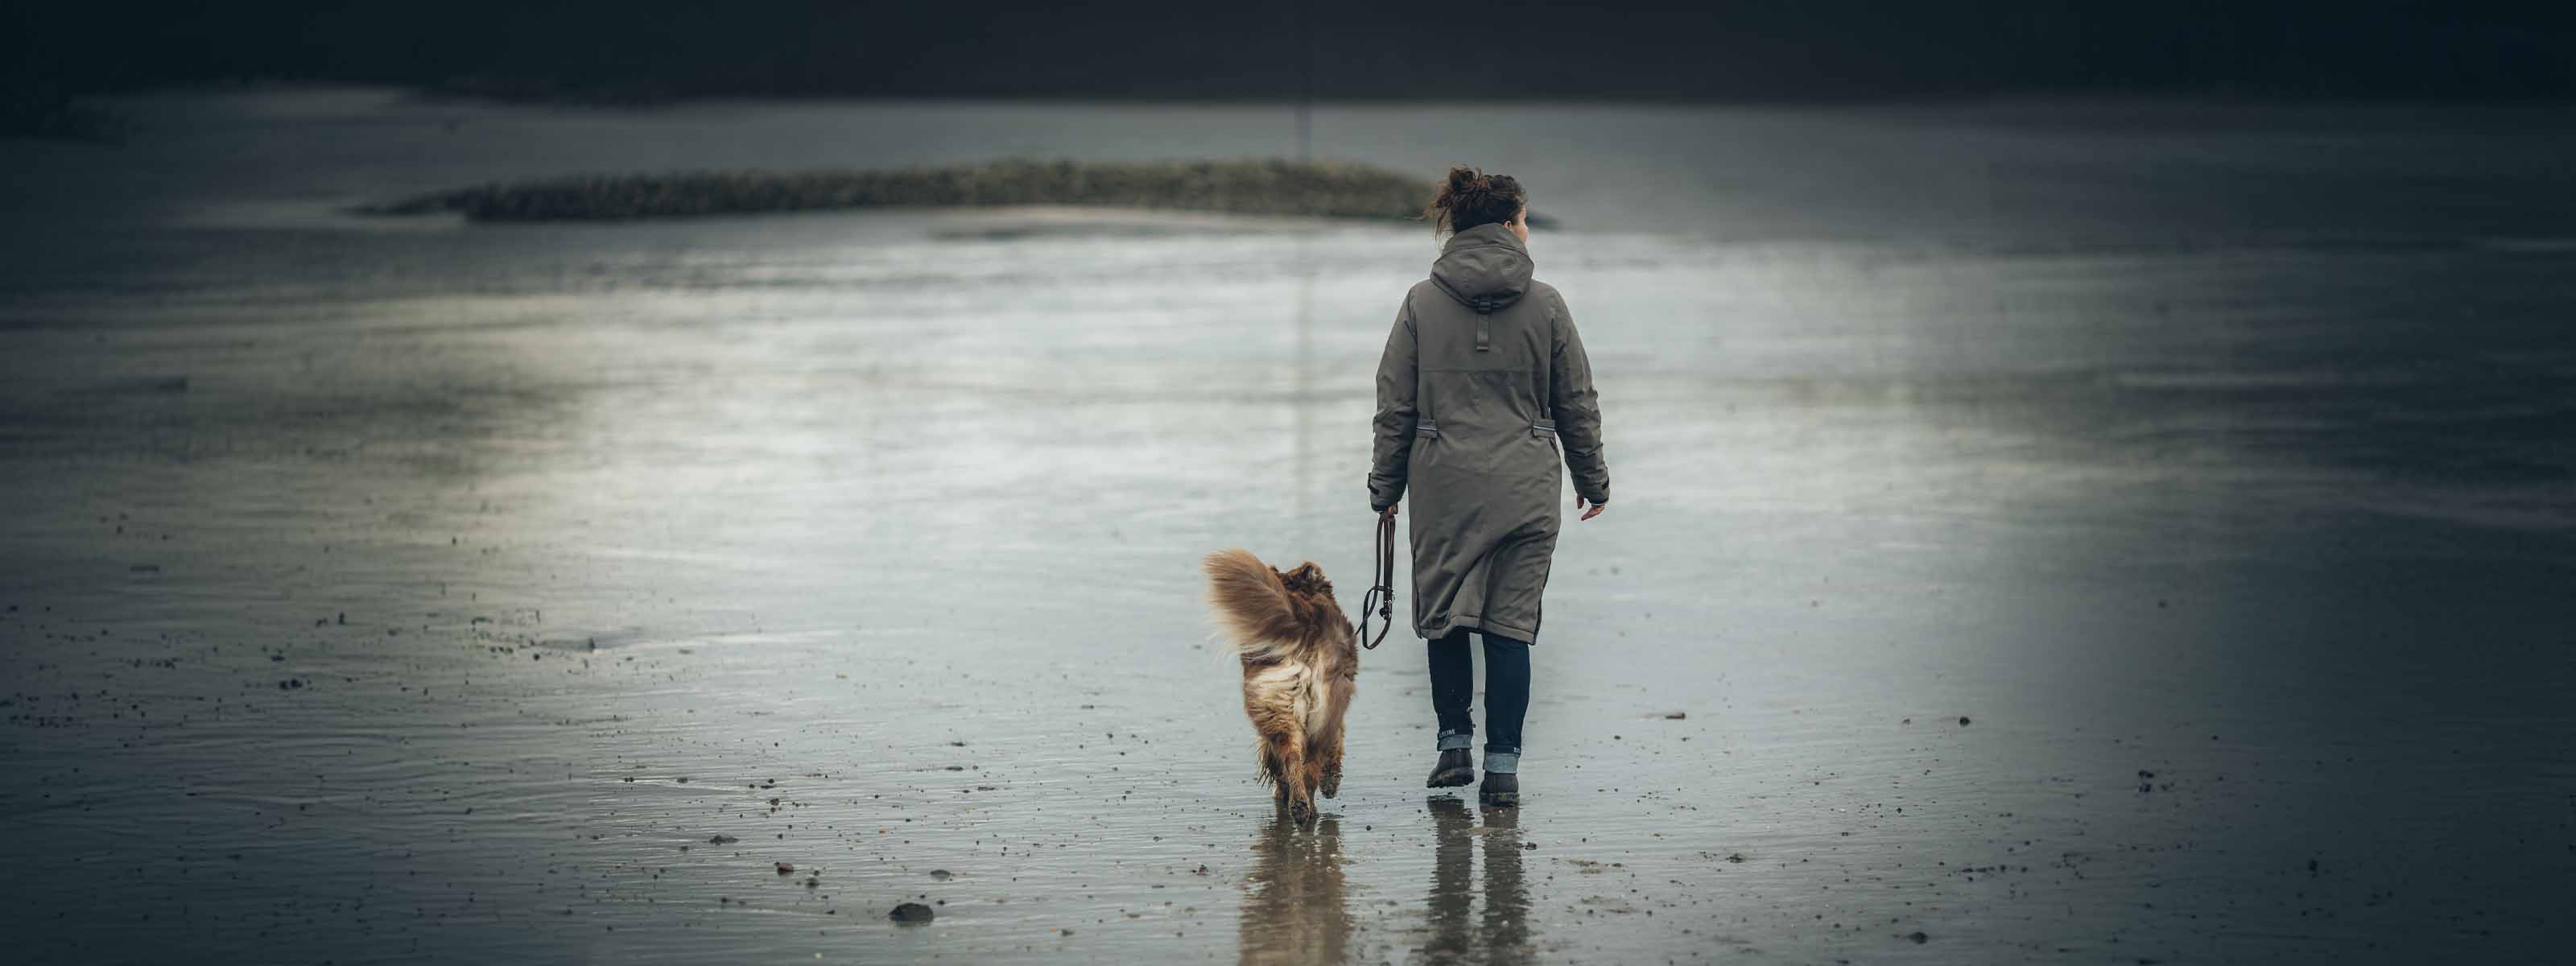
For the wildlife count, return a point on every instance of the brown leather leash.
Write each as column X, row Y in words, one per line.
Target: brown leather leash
column 1381, row 596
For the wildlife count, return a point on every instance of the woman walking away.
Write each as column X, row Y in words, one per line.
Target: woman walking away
column 1482, row 381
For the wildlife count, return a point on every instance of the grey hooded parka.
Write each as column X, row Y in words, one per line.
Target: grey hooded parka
column 1483, row 380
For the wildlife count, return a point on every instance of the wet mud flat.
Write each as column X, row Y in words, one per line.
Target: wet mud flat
column 478, row 781
column 709, row 591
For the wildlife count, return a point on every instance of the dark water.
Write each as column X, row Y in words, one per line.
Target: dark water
column 2074, row 533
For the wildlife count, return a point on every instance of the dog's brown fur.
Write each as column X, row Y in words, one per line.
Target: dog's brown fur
column 1301, row 664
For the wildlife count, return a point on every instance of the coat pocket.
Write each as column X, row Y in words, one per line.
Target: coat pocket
column 1543, row 427
column 1426, row 429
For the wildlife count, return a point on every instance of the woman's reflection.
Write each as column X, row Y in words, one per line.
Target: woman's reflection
column 1507, row 904
column 1501, row 933
column 1294, row 912
column 1452, row 838
column 1295, row 907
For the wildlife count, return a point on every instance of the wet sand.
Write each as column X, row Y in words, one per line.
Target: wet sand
column 446, row 593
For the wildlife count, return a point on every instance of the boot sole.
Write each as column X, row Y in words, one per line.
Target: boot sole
column 1499, row 799
column 1452, row 778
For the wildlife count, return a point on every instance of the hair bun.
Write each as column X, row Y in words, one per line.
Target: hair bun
column 1470, row 197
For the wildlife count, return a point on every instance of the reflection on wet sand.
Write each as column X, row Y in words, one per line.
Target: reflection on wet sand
column 1293, row 907
column 1501, row 933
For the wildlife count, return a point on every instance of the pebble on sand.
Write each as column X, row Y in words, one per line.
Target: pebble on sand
column 786, row 868
column 911, row 912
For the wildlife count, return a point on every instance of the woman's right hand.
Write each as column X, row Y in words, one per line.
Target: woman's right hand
column 1589, row 514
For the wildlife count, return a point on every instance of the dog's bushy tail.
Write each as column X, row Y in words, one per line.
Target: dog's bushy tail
column 1252, row 605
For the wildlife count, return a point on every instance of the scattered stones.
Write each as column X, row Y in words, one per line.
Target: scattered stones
column 722, row 840
column 1963, row 721
column 942, row 874
column 786, row 868
column 911, row 913
column 1918, row 937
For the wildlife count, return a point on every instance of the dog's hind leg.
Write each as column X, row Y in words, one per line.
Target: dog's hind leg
column 1297, row 775
column 1327, row 754
column 1311, row 779
column 1283, row 757
column 1326, row 745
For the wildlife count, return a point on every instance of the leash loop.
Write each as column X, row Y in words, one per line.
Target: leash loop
column 1381, row 596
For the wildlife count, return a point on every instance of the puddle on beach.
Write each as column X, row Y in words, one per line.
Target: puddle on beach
column 534, row 593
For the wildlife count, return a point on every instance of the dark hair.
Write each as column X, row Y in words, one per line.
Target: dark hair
column 1471, row 197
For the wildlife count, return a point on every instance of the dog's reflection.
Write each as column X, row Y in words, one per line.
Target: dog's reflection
column 1293, row 911
column 1500, row 933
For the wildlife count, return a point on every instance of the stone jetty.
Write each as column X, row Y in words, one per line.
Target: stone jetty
column 1249, row 186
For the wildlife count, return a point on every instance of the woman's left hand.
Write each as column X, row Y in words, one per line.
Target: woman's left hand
column 1589, row 514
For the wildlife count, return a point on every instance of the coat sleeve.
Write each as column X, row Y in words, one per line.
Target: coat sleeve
column 1393, row 453
column 1577, row 410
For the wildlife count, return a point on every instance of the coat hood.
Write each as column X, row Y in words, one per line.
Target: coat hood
column 1485, row 268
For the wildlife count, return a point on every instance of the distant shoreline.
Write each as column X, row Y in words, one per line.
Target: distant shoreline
column 1242, row 186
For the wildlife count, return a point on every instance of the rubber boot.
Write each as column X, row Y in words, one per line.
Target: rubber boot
column 1456, row 768
column 1500, row 790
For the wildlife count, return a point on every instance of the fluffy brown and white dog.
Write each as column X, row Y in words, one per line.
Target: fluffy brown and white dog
column 1301, row 664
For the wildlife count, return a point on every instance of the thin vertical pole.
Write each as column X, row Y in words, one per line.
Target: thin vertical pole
column 1305, row 80
column 1301, row 375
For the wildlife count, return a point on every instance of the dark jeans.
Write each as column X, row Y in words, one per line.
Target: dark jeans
column 1507, row 679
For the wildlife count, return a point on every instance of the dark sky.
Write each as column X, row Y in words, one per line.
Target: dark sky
column 1725, row 50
